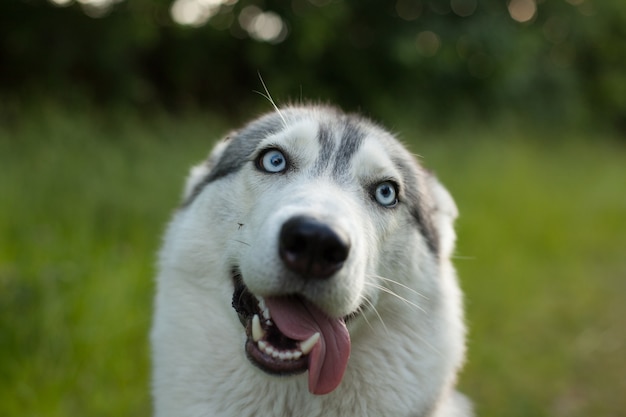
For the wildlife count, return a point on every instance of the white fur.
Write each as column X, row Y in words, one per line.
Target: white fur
column 406, row 351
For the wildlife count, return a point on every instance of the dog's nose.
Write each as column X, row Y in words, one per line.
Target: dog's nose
column 312, row 248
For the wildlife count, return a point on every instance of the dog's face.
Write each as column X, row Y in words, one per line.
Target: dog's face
column 316, row 223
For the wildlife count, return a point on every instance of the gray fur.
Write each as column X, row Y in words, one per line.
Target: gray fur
column 241, row 147
column 327, row 146
column 419, row 201
column 351, row 139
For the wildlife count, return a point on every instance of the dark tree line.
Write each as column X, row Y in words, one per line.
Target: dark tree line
column 550, row 59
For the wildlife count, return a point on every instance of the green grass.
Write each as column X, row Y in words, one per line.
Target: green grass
column 85, row 196
column 542, row 257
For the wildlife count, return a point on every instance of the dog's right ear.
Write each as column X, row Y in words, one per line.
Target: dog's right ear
column 445, row 213
column 199, row 172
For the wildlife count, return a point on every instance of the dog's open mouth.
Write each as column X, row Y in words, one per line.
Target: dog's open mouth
column 290, row 335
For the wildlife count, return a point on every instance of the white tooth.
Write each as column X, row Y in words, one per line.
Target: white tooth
column 289, row 355
column 308, row 344
column 257, row 330
column 262, row 345
column 282, row 356
column 265, row 312
column 297, row 354
column 269, row 350
column 275, row 354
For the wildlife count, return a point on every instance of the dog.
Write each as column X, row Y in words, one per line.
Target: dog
column 307, row 272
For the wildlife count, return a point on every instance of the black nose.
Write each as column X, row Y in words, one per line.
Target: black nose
column 312, row 248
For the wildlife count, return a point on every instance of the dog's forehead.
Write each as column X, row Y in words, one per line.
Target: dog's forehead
column 338, row 143
column 321, row 134
column 300, row 135
column 341, row 144
column 373, row 160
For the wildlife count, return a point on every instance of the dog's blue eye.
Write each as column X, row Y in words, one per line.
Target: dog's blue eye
column 386, row 194
column 273, row 161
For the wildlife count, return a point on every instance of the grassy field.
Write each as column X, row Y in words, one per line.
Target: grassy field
column 84, row 198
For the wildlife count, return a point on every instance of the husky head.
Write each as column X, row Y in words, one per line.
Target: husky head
column 310, row 242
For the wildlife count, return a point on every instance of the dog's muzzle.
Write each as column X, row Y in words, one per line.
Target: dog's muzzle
column 286, row 333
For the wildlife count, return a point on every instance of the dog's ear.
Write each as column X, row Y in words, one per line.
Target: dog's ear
column 444, row 214
column 199, row 172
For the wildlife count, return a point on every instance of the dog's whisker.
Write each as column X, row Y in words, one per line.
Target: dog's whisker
column 269, row 98
column 430, row 345
column 203, row 286
column 373, row 307
column 242, row 242
column 393, row 281
column 360, row 311
column 463, row 258
column 399, row 297
column 416, row 155
column 421, row 338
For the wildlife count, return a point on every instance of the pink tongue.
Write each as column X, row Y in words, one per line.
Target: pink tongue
column 298, row 319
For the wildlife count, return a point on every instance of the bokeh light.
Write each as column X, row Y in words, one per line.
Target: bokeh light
column 263, row 26
column 92, row 8
column 463, row 8
column 196, row 12
column 522, row 10
column 61, row 2
column 409, row 9
column 428, row 43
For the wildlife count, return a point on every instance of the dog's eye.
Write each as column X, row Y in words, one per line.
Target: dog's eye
column 272, row 161
column 386, row 194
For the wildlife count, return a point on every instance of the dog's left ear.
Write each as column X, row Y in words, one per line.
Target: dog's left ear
column 199, row 172
column 444, row 214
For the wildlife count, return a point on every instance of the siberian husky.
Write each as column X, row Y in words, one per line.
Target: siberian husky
column 307, row 273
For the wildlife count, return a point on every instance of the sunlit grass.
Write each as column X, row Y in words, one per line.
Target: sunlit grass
column 85, row 198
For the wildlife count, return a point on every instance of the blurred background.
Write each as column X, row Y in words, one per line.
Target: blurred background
column 519, row 106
